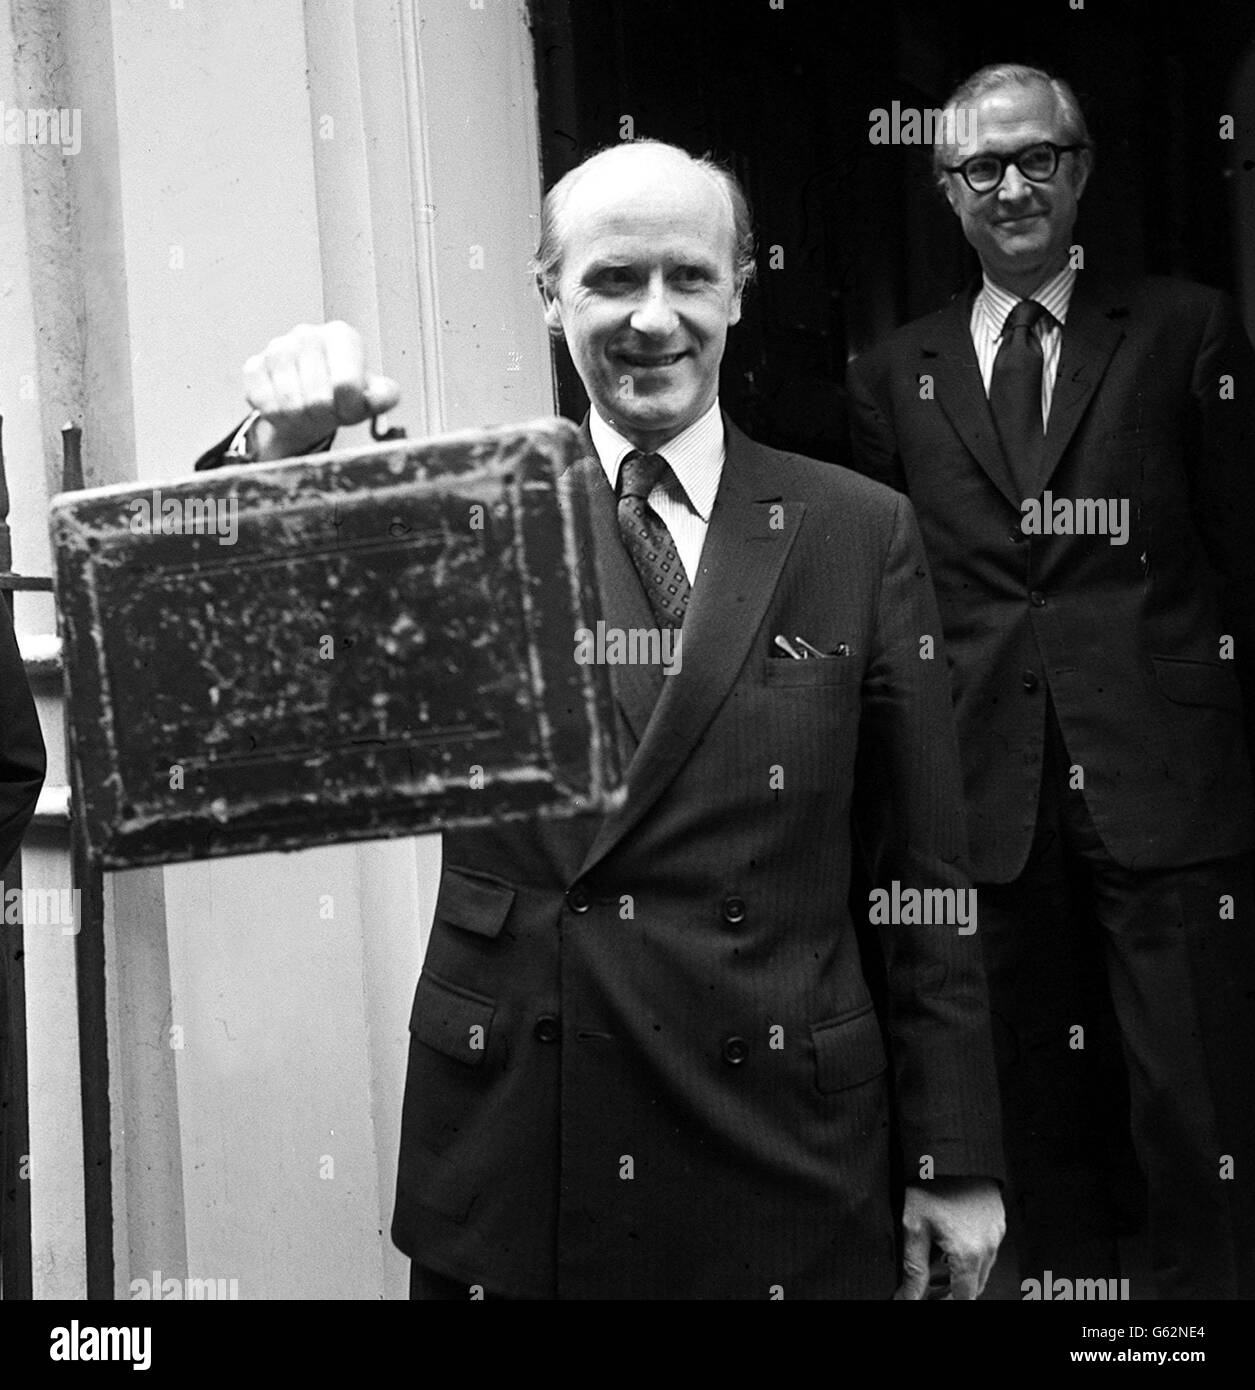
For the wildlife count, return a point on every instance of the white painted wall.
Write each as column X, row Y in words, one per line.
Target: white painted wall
column 39, row 380
column 248, row 164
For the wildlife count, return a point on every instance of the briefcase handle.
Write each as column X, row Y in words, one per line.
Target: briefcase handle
column 383, row 436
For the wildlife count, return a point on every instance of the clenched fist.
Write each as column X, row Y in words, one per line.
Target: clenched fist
column 309, row 382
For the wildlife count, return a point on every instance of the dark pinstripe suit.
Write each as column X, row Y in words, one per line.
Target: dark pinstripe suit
column 629, row 1129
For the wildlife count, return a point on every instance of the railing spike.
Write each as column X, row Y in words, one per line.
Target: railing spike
column 72, row 458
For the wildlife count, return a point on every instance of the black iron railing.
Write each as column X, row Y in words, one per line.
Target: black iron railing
column 54, row 813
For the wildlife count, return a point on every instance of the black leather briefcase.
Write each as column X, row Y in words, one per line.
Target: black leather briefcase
column 365, row 643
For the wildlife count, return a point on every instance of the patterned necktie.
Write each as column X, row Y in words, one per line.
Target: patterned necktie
column 1015, row 396
column 648, row 541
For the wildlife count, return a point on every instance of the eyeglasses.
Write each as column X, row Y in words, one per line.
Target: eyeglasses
column 1037, row 163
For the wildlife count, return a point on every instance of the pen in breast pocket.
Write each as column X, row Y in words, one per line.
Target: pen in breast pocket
column 786, row 646
column 841, row 649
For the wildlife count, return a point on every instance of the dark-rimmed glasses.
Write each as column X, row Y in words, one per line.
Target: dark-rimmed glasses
column 1037, row 163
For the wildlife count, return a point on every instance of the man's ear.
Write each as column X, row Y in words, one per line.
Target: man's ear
column 734, row 309
column 1084, row 163
column 951, row 196
column 553, row 310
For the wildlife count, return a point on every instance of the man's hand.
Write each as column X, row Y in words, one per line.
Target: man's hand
column 964, row 1217
column 308, row 383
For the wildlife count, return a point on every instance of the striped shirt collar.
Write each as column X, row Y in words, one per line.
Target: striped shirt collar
column 993, row 303
column 696, row 455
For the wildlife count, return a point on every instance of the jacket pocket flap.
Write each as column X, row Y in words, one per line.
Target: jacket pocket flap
column 1198, row 682
column 451, row 1020
column 848, row 1051
column 475, row 904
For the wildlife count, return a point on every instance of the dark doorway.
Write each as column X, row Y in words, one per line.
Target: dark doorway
column 782, row 91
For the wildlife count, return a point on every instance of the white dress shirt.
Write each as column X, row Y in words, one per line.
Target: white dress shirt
column 989, row 317
column 696, row 456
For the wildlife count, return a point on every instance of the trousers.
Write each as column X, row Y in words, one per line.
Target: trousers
column 1123, row 1005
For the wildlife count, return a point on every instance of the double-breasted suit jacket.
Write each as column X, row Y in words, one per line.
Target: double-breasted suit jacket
column 681, row 1088
column 1153, row 405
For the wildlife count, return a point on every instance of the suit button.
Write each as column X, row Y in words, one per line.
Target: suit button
column 734, row 909
column 735, row 1051
column 547, row 1029
column 577, row 899
column 1037, row 599
column 1029, row 680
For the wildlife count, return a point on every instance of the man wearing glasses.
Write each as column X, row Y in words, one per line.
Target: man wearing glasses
column 1079, row 452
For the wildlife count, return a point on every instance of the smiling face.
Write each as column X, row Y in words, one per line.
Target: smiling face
column 1020, row 230
column 647, row 291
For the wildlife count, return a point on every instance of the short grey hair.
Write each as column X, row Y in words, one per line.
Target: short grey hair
column 547, row 262
column 999, row 75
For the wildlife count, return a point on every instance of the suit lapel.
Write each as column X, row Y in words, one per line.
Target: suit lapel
column 950, row 358
column 1090, row 337
column 746, row 545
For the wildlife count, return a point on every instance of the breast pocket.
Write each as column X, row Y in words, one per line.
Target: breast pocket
column 1140, row 441
column 807, row 713
column 835, row 671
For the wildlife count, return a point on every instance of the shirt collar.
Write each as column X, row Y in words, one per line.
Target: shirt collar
column 993, row 303
column 696, row 455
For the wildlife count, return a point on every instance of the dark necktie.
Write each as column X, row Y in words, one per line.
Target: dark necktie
column 1015, row 396
column 648, row 541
